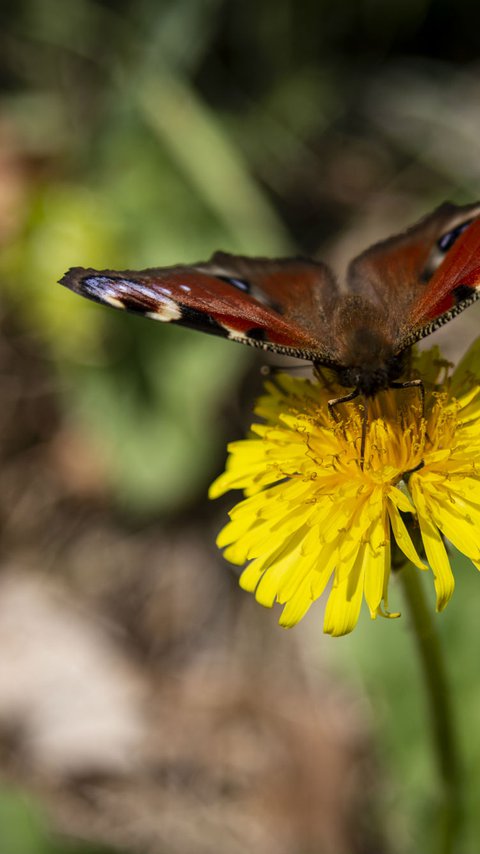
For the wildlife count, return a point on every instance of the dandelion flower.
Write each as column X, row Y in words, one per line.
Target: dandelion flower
column 314, row 512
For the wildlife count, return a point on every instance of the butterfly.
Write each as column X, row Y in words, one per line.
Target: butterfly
column 396, row 292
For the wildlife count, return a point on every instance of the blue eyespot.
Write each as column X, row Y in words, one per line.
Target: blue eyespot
column 241, row 284
column 447, row 240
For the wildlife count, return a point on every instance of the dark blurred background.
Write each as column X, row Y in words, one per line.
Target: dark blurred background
column 146, row 704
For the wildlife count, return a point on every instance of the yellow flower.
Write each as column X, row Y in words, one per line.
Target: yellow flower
column 312, row 512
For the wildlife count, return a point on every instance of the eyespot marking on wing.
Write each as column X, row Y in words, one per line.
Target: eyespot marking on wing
column 133, row 296
column 442, row 247
column 102, row 289
column 240, row 284
column 249, row 288
column 447, row 240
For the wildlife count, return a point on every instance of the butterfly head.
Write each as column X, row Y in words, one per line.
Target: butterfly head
column 366, row 356
column 367, row 380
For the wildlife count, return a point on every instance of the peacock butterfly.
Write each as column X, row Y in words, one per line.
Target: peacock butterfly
column 396, row 292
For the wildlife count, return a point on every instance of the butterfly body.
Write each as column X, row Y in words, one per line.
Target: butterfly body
column 396, row 292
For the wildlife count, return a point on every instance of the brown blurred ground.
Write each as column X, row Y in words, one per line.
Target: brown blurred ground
column 144, row 699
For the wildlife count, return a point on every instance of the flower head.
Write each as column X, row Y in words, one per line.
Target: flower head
column 315, row 511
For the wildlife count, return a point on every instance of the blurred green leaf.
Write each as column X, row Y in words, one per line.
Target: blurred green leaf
column 155, row 412
column 67, row 224
column 199, row 146
column 382, row 656
column 24, row 829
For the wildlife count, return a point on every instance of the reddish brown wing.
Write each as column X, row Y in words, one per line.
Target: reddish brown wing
column 279, row 305
column 415, row 277
column 453, row 287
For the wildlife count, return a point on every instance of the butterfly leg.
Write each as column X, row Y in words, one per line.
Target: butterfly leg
column 421, row 388
column 337, row 400
column 346, row 399
column 413, row 384
column 364, row 436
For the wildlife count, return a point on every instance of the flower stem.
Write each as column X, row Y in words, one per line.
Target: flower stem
column 440, row 706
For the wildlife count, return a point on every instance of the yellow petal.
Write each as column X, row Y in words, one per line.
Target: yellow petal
column 462, row 530
column 344, row 602
column 435, row 552
column 297, row 607
column 401, row 499
column 402, row 537
column 250, row 576
column 290, row 568
column 376, row 554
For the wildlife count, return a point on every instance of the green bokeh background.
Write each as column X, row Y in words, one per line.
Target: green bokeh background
column 147, row 133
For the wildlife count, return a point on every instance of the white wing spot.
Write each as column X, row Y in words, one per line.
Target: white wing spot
column 234, row 333
column 167, row 310
column 113, row 301
column 185, row 288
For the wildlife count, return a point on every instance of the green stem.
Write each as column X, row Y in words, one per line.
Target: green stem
column 440, row 705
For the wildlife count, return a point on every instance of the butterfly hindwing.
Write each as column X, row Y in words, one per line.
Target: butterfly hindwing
column 278, row 305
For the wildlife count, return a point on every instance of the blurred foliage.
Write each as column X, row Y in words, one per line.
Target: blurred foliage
column 24, row 830
column 146, row 133
column 383, row 663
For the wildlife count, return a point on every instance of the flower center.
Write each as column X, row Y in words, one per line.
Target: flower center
column 393, row 440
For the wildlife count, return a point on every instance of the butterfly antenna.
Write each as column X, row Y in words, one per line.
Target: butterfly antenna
column 317, row 370
column 268, row 370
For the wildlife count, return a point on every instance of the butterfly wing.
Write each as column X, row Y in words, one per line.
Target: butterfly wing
column 423, row 277
column 405, row 286
column 453, row 287
column 279, row 305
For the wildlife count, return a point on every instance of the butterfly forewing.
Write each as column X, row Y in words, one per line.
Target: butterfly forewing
column 278, row 305
column 420, row 276
column 453, row 287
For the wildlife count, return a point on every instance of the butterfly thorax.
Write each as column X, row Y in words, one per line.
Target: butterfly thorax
column 372, row 379
column 368, row 361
